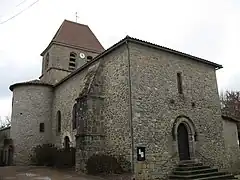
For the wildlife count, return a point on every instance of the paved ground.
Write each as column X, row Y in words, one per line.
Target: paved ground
column 40, row 173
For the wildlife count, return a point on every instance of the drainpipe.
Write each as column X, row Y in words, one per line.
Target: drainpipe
column 130, row 107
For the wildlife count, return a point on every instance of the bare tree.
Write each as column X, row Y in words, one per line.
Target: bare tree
column 230, row 103
column 6, row 122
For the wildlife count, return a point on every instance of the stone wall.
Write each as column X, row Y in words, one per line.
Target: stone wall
column 59, row 59
column 65, row 96
column 106, row 118
column 156, row 104
column 32, row 105
column 231, row 142
column 112, row 85
column 90, row 135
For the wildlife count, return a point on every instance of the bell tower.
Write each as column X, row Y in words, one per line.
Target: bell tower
column 72, row 46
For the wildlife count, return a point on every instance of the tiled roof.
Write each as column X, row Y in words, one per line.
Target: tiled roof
column 32, row 82
column 152, row 45
column 145, row 43
column 5, row 128
column 77, row 35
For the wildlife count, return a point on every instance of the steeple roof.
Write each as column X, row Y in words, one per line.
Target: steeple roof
column 76, row 35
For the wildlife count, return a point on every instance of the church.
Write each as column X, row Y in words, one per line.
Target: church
column 151, row 104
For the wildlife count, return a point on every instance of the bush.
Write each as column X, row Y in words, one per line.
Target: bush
column 44, row 155
column 49, row 155
column 65, row 159
column 126, row 165
column 98, row 164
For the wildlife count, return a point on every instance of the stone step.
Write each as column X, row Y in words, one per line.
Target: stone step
column 223, row 177
column 197, row 176
column 186, row 168
column 190, row 164
column 198, row 171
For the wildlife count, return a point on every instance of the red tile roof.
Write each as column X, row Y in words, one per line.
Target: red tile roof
column 77, row 35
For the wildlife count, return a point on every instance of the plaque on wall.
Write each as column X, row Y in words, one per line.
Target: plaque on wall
column 141, row 154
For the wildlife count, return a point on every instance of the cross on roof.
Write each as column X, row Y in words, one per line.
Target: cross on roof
column 77, row 16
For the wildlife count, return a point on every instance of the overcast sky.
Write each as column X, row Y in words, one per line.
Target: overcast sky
column 203, row 28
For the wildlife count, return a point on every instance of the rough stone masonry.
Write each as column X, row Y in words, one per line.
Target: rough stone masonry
column 135, row 97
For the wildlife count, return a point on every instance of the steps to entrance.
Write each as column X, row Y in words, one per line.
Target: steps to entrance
column 197, row 171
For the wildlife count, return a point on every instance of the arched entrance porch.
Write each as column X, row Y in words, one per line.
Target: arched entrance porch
column 184, row 137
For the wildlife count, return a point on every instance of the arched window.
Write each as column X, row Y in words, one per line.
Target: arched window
column 74, row 117
column 72, row 61
column 59, row 119
column 46, row 61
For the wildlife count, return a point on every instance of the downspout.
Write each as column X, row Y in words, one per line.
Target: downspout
column 130, row 107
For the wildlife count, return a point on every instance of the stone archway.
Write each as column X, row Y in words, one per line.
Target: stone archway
column 184, row 137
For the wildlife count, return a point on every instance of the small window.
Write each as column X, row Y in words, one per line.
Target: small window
column 59, row 121
column 238, row 135
column 74, row 117
column 179, row 83
column 72, row 61
column 89, row 57
column 46, row 61
column 73, row 55
column 41, row 127
column 72, row 64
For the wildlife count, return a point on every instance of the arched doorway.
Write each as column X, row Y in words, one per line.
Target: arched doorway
column 10, row 155
column 183, row 142
column 66, row 143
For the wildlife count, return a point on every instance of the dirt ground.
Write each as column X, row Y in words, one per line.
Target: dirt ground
column 41, row 173
column 46, row 173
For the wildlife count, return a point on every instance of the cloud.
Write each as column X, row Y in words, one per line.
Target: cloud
column 208, row 29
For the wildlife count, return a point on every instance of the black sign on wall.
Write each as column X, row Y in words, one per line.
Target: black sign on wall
column 141, row 154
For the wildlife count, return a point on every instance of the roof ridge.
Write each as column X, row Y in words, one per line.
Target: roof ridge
column 200, row 59
column 146, row 43
column 66, row 20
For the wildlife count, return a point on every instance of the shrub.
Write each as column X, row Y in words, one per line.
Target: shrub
column 100, row 163
column 65, row 158
column 126, row 165
column 44, row 155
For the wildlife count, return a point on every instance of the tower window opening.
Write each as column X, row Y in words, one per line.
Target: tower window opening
column 72, row 61
column 46, row 61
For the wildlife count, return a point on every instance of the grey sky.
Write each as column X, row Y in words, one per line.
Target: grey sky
column 207, row 29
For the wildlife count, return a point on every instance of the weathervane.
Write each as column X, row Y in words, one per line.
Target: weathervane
column 76, row 16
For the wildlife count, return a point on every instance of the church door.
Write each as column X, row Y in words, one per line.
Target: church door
column 66, row 143
column 183, row 143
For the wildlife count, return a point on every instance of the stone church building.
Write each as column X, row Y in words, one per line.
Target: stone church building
column 151, row 104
